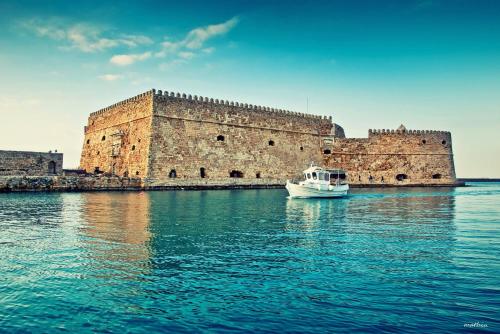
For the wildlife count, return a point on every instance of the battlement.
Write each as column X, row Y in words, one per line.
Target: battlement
column 372, row 132
column 164, row 95
column 200, row 99
column 134, row 98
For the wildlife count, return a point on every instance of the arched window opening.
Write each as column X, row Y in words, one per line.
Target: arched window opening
column 133, row 147
column 236, row 174
column 271, row 142
column 327, row 151
column 172, row 174
column 52, row 167
column 202, row 172
column 257, row 175
column 401, row 177
column 96, row 170
column 436, row 176
column 103, row 138
column 98, row 152
column 220, row 138
column 137, row 173
column 88, row 141
column 443, row 142
column 301, row 148
column 125, row 174
column 424, row 141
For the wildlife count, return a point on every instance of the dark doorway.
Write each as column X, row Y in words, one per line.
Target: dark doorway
column 172, row 174
column 327, row 151
column 436, row 176
column 271, row 143
column 257, row 175
column 235, row 173
column 52, row 167
column 401, row 177
column 202, row 172
column 220, row 138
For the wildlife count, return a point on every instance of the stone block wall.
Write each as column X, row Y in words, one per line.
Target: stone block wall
column 117, row 138
column 30, row 163
column 165, row 138
column 196, row 136
column 392, row 157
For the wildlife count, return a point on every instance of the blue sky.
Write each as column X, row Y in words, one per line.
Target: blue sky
column 428, row 64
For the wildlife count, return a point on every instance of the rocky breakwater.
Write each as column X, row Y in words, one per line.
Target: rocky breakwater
column 68, row 183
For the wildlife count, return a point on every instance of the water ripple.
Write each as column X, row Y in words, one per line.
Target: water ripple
column 381, row 260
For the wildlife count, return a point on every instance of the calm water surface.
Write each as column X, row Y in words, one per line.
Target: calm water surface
column 417, row 260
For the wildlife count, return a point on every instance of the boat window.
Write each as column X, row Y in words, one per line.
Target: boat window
column 314, row 175
column 309, row 176
column 327, row 177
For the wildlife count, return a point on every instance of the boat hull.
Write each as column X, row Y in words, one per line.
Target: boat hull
column 301, row 191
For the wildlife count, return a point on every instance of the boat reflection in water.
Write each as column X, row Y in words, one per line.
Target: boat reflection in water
column 391, row 222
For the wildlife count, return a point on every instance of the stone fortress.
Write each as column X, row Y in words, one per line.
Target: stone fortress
column 168, row 139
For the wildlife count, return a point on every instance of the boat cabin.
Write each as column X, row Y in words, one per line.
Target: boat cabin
column 319, row 175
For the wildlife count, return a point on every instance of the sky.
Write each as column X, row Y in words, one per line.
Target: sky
column 427, row 64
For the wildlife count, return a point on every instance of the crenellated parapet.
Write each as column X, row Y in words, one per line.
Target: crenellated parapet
column 123, row 102
column 166, row 95
column 372, row 132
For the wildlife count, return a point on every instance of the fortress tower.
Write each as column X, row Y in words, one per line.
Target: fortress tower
column 166, row 138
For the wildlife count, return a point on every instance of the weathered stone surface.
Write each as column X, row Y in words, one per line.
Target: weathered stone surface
column 67, row 183
column 423, row 157
column 157, row 136
column 30, row 163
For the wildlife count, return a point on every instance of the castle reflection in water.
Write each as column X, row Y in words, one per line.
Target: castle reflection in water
column 155, row 229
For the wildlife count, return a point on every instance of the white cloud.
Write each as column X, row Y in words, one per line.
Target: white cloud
column 186, row 55
column 82, row 36
column 92, row 38
column 128, row 59
column 197, row 37
column 208, row 50
column 110, row 77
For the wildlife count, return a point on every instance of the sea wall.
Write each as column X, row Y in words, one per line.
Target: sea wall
column 67, row 183
column 111, row 183
column 393, row 157
column 30, row 163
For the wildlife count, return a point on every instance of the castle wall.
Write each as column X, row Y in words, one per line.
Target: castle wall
column 30, row 163
column 418, row 157
column 117, row 138
column 185, row 136
column 169, row 140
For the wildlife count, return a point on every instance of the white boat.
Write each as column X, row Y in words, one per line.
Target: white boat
column 319, row 182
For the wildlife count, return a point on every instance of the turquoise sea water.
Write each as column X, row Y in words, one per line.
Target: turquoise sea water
column 381, row 260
